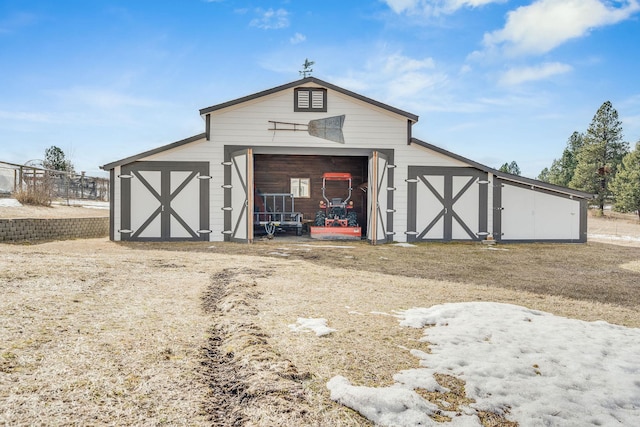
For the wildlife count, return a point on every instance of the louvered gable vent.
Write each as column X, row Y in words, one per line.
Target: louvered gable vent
column 317, row 99
column 303, row 99
column 310, row 99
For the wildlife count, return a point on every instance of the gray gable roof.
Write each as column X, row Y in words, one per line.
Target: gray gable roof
column 504, row 175
column 413, row 118
column 301, row 82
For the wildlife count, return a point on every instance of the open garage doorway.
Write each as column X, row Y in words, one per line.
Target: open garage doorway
column 302, row 176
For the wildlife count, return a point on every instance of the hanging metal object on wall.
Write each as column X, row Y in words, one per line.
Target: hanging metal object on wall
column 329, row 128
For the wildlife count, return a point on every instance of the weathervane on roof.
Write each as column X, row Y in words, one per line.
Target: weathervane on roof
column 307, row 68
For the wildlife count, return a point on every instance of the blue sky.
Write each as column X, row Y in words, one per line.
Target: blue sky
column 492, row 80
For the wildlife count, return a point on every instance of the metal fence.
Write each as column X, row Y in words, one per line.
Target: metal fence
column 57, row 184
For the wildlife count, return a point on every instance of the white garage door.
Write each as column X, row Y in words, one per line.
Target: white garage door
column 531, row 214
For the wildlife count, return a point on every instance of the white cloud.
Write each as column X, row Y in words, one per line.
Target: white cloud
column 297, row 38
column 410, row 85
column 395, row 78
column 397, row 63
column 435, row 7
column 399, row 6
column 408, row 77
column 546, row 24
column 424, row 86
column 26, row 116
column 104, row 98
column 271, row 19
column 518, row 75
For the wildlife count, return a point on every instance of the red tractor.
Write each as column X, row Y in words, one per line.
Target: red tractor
column 336, row 220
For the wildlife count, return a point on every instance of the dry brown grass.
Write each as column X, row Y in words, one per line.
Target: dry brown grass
column 589, row 272
column 615, row 228
column 39, row 195
column 359, row 287
column 95, row 332
column 368, row 347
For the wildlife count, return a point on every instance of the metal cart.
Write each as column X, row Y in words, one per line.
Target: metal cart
column 276, row 212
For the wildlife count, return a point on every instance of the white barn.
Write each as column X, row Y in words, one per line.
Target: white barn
column 206, row 187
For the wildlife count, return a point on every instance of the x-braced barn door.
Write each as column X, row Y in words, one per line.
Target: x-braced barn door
column 165, row 201
column 238, row 199
column 379, row 211
column 446, row 203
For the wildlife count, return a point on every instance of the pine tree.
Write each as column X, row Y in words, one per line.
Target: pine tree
column 55, row 159
column 626, row 184
column 544, row 175
column 563, row 169
column 511, row 168
column 601, row 153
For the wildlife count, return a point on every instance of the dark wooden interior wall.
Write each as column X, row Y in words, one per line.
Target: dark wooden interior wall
column 273, row 173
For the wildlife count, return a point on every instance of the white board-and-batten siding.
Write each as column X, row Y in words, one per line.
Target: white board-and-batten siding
column 365, row 128
column 368, row 127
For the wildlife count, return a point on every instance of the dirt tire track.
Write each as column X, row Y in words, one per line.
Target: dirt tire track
column 225, row 384
column 243, row 372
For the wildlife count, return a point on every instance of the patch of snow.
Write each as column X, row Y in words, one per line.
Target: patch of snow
column 85, row 203
column 319, row 326
column 396, row 405
column 531, row 366
column 381, row 313
column 404, row 245
column 326, row 246
column 9, row 203
column 613, row 237
column 278, row 254
column 384, row 406
column 95, row 207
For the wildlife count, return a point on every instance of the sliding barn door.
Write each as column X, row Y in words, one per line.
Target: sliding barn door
column 165, row 201
column 379, row 214
column 239, row 197
column 447, row 203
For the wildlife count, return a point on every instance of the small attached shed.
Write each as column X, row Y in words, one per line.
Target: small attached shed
column 281, row 141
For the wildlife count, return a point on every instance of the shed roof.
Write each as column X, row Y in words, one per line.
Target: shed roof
column 505, row 175
column 157, row 150
column 304, row 81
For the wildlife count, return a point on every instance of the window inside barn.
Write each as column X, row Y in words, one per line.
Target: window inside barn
column 300, row 187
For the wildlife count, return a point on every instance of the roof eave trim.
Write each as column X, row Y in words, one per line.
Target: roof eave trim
column 505, row 175
column 157, row 150
column 410, row 116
